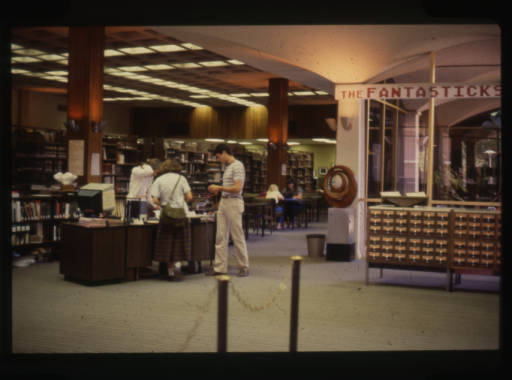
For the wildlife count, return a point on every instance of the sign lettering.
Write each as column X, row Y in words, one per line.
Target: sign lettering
column 416, row 91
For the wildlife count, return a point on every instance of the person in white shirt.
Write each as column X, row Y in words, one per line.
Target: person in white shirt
column 140, row 182
column 173, row 244
column 274, row 193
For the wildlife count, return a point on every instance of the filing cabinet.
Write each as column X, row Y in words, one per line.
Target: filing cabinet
column 433, row 238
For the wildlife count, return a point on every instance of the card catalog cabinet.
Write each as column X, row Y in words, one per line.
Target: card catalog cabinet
column 438, row 239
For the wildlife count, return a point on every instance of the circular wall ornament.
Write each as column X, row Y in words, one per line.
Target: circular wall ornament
column 340, row 187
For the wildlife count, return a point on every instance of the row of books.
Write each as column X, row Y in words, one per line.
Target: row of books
column 25, row 210
column 24, row 234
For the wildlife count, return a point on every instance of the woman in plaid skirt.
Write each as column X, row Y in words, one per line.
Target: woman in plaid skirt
column 172, row 243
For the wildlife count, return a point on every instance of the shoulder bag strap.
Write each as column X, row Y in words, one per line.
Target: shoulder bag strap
column 179, row 177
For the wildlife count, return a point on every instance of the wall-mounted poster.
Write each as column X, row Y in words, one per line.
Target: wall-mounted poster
column 76, row 157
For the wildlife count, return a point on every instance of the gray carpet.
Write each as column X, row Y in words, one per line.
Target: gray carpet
column 404, row 310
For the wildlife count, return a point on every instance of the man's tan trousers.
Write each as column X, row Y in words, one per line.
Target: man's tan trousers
column 229, row 219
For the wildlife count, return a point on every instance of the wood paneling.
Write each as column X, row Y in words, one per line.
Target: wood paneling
column 231, row 122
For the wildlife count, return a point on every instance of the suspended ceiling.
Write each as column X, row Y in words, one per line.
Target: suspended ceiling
column 234, row 63
column 162, row 71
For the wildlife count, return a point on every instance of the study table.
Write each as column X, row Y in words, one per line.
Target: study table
column 105, row 250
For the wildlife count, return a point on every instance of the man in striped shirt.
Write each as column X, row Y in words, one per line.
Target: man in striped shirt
column 229, row 214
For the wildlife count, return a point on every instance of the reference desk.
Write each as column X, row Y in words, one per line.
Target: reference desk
column 110, row 250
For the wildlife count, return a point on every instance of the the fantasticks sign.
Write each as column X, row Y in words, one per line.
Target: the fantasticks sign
column 416, row 91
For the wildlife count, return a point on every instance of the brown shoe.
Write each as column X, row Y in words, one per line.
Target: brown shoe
column 243, row 272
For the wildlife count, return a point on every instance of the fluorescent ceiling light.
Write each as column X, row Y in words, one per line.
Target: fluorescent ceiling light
column 262, row 140
column 190, row 46
column 19, row 71
column 235, row 62
column 187, row 65
column 133, row 68
column 25, row 59
column 111, row 53
column 214, row 140
column 159, row 67
column 15, row 46
column 29, row 52
column 321, row 93
column 259, row 94
column 50, row 57
column 293, row 143
column 245, row 143
column 167, row 48
column 231, row 141
column 304, row 93
column 109, row 70
column 136, row 50
column 213, row 63
column 63, row 62
column 57, row 72
column 240, row 95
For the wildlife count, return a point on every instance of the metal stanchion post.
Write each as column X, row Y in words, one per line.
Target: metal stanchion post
column 294, row 315
column 222, row 316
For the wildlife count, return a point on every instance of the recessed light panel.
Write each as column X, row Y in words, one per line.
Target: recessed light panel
column 111, row 53
column 167, row 48
column 159, row 67
column 25, row 59
column 133, row 68
column 136, row 50
column 213, row 63
column 29, row 52
column 50, row 57
column 187, row 65
column 190, row 46
column 236, row 62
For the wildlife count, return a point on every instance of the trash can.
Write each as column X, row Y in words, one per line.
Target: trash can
column 316, row 245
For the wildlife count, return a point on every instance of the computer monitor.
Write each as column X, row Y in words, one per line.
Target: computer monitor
column 96, row 198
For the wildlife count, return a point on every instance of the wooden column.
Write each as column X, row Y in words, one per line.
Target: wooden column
column 85, row 100
column 277, row 131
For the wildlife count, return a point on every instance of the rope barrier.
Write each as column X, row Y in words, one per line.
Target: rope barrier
column 203, row 309
column 222, row 330
column 266, row 305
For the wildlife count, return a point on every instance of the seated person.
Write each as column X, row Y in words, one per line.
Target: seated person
column 292, row 193
column 274, row 193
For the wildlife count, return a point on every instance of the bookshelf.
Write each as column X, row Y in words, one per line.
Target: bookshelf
column 300, row 168
column 120, row 156
column 37, row 155
column 36, row 222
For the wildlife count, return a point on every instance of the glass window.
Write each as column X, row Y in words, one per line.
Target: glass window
column 473, row 171
column 467, row 155
column 374, row 149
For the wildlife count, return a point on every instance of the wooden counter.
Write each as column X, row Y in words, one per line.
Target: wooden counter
column 95, row 252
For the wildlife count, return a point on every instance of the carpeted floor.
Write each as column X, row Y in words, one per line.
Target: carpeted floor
column 401, row 311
